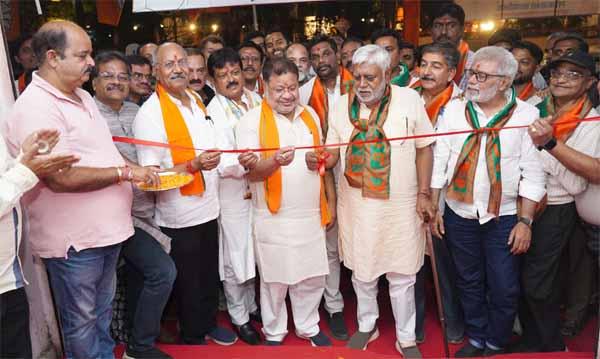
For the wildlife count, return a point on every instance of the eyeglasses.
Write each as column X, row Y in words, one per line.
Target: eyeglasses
column 170, row 65
column 480, row 76
column 253, row 59
column 567, row 75
column 109, row 76
column 137, row 76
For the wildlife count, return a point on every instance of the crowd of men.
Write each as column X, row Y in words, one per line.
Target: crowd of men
column 509, row 197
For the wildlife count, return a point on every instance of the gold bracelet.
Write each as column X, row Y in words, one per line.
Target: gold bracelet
column 119, row 175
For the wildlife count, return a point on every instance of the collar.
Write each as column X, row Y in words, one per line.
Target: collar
column 105, row 108
column 245, row 98
column 455, row 90
column 297, row 111
column 37, row 80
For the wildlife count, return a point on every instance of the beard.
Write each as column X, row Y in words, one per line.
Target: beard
column 376, row 95
column 481, row 96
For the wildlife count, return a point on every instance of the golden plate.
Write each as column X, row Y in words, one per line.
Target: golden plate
column 168, row 180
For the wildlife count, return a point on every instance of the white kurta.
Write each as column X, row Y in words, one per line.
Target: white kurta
column 236, row 253
column 381, row 236
column 289, row 245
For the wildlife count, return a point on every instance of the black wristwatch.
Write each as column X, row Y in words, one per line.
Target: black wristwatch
column 548, row 146
column 526, row 221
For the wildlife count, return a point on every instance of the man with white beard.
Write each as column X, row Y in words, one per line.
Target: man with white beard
column 486, row 173
column 299, row 55
column 383, row 197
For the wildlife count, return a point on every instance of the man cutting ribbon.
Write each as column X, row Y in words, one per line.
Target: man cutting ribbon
column 291, row 206
column 384, row 194
column 176, row 115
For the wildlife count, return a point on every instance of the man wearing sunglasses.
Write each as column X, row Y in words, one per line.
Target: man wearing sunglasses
column 485, row 173
column 571, row 76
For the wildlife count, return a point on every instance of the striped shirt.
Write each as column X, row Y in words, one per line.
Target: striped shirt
column 119, row 124
column 15, row 180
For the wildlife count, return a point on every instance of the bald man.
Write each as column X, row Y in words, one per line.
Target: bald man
column 149, row 51
column 176, row 115
column 80, row 216
column 298, row 53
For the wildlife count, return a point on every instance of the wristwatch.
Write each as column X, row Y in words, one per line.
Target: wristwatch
column 548, row 146
column 526, row 221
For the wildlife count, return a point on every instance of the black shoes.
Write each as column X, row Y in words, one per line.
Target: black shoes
column 256, row 316
column 338, row 326
column 489, row 352
column 469, row 351
column 248, row 334
column 152, row 353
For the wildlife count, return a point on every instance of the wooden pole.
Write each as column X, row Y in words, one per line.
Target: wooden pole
column 438, row 294
column 254, row 18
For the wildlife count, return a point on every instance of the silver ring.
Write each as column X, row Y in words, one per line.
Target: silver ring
column 43, row 147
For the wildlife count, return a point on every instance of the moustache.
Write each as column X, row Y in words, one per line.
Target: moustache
column 249, row 69
column 177, row 76
column 89, row 70
column 195, row 81
column 232, row 84
column 323, row 67
column 115, row 87
column 427, row 78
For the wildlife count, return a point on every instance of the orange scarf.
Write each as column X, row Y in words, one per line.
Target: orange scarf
column 21, row 83
column 318, row 97
column 416, row 84
column 439, row 101
column 261, row 86
column 269, row 138
column 463, row 48
column 564, row 120
column 527, row 92
column 179, row 136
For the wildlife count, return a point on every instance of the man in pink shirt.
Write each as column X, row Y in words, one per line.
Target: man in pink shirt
column 79, row 216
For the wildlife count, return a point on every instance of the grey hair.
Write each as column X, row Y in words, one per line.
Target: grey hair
column 372, row 55
column 507, row 65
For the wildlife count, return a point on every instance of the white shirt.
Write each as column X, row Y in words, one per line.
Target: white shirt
column 521, row 169
column 15, row 180
column 236, row 252
column 289, row 245
column 332, row 96
column 378, row 236
column 456, row 92
column 174, row 210
column 534, row 100
column 563, row 185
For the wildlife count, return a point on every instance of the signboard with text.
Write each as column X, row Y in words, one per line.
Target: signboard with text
column 504, row 9
column 168, row 5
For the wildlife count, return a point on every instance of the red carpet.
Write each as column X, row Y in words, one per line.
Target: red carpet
column 581, row 346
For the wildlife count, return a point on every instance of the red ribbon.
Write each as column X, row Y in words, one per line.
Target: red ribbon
column 332, row 145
